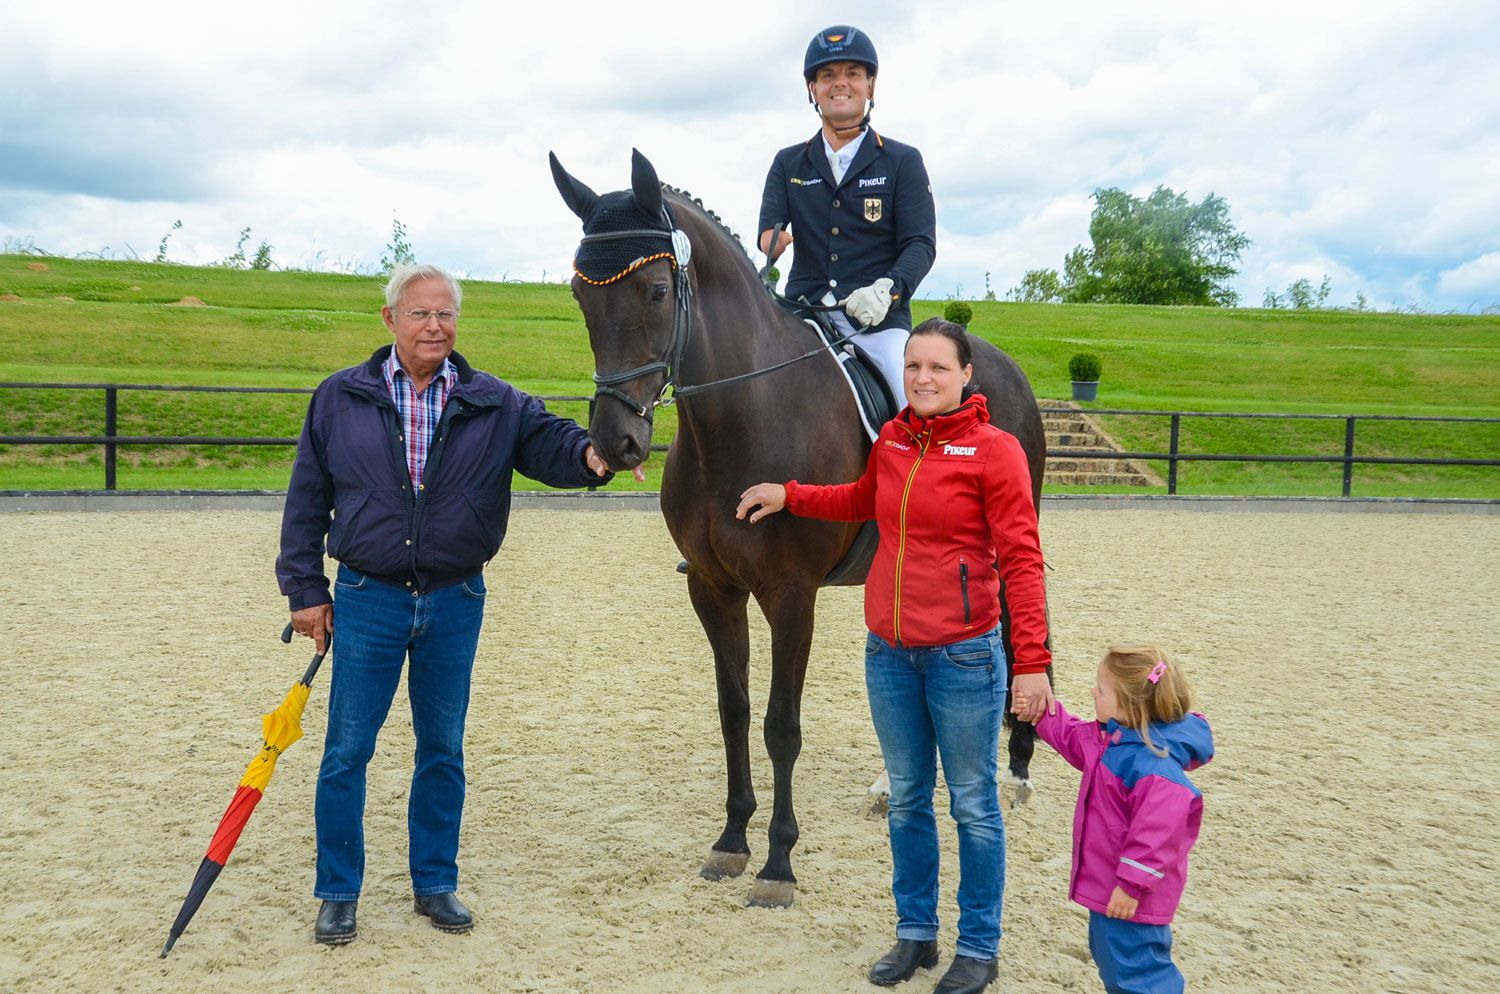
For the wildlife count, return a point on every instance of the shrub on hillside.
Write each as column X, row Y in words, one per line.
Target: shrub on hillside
column 1084, row 368
column 959, row 312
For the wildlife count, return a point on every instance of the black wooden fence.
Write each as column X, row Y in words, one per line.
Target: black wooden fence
column 112, row 441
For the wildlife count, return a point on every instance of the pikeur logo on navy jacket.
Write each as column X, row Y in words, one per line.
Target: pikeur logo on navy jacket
column 878, row 222
column 350, row 481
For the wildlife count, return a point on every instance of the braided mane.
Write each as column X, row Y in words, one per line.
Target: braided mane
column 717, row 221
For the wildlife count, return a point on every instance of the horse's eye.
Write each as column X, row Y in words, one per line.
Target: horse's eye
column 658, row 293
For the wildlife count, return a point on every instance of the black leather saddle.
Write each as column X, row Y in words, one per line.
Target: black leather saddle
column 877, row 406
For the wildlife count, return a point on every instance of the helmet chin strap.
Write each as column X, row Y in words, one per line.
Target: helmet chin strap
column 849, row 131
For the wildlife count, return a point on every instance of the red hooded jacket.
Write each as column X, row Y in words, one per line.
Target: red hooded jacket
column 952, row 498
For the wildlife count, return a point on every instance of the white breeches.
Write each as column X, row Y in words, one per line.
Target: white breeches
column 887, row 349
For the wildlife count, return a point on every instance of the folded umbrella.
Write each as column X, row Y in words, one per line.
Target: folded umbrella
column 280, row 728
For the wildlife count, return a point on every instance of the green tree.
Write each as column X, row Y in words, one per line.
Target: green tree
column 1300, row 295
column 398, row 251
column 237, row 259
column 1037, row 286
column 1162, row 249
column 161, row 251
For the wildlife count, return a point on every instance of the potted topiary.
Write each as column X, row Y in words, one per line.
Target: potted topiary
column 959, row 312
column 1083, row 370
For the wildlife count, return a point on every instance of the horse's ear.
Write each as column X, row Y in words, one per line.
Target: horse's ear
column 579, row 198
column 644, row 184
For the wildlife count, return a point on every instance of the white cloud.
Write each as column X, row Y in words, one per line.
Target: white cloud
column 1358, row 140
column 1478, row 278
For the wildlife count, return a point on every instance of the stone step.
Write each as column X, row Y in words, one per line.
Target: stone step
column 1075, row 440
column 1094, row 480
column 1073, row 430
column 1111, row 466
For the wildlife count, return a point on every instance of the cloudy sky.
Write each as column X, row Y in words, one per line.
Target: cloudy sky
column 1357, row 140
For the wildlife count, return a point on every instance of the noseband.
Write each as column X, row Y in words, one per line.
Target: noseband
column 607, row 384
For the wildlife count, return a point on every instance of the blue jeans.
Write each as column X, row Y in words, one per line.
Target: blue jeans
column 1133, row 958
column 943, row 701
column 376, row 626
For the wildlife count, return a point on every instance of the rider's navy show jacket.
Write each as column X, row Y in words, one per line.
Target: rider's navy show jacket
column 350, row 481
column 878, row 222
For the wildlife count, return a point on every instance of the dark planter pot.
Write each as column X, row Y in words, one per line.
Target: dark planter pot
column 1085, row 389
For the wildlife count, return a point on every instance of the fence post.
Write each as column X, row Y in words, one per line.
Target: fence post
column 1172, row 464
column 111, row 411
column 1348, row 454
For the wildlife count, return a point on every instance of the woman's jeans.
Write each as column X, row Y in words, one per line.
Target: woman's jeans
column 376, row 626
column 943, row 701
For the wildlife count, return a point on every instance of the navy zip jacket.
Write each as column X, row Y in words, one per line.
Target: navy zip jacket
column 350, row 462
column 878, row 221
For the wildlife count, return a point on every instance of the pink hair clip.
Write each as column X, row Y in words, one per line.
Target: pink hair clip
column 1157, row 671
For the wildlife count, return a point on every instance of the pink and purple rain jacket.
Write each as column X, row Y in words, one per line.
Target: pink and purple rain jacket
column 1138, row 814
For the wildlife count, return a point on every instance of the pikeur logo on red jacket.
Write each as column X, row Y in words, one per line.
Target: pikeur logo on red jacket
column 952, row 497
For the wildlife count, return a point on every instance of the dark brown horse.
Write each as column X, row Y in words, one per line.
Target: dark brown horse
column 689, row 311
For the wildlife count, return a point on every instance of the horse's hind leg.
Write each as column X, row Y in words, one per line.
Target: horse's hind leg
column 789, row 610
column 722, row 614
column 1020, row 745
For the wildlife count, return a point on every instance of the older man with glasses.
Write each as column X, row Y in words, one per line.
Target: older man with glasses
column 404, row 468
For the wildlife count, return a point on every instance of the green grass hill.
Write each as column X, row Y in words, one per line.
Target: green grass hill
column 69, row 321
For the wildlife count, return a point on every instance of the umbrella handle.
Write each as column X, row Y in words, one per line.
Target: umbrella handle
column 312, row 667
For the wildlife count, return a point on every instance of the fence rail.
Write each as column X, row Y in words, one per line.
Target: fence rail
column 111, row 440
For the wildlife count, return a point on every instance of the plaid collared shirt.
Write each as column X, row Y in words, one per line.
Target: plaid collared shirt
column 418, row 412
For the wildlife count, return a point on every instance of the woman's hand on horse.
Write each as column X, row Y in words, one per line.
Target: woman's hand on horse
column 1031, row 697
column 769, row 497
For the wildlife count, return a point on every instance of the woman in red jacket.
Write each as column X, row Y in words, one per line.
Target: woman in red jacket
column 951, row 494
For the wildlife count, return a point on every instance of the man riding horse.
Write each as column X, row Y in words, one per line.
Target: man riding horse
column 859, row 205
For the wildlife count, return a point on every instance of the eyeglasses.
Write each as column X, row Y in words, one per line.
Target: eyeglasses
column 421, row 314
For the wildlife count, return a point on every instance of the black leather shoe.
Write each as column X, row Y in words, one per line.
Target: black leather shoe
column 336, row 923
column 967, row 975
column 446, row 911
column 902, row 961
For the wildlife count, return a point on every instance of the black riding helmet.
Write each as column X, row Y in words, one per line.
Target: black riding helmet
column 840, row 43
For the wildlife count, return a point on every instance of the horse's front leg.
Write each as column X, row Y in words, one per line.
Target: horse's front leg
column 722, row 614
column 789, row 611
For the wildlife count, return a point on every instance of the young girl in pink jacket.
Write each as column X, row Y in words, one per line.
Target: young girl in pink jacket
column 1138, row 814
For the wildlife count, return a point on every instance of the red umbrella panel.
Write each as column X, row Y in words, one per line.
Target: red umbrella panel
column 280, row 728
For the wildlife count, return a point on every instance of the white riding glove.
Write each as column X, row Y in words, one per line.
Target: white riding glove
column 868, row 305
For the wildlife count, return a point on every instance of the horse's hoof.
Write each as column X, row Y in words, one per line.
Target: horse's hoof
column 1023, row 789
column 771, row 894
column 719, row 865
column 878, row 797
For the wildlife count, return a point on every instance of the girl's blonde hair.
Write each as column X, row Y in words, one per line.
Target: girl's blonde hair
column 1165, row 700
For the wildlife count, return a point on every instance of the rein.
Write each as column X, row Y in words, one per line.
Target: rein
column 670, row 363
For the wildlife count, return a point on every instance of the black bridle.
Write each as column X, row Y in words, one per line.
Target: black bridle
column 607, row 384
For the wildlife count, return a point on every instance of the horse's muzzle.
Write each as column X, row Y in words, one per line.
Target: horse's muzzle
column 621, row 451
